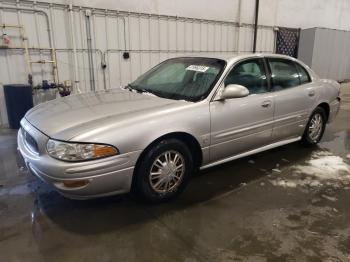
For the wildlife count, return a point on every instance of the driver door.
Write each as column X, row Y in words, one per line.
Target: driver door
column 242, row 124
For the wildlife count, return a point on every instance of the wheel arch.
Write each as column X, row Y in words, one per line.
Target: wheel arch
column 187, row 138
column 325, row 106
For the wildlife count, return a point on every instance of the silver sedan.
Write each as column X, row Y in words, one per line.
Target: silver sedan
column 184, row 114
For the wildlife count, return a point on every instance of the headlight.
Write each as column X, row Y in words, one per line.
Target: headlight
column 78, row 151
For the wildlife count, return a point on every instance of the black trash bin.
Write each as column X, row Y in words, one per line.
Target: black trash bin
column 19, row 100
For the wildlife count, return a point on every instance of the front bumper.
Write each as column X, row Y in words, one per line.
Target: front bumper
column 102, row 177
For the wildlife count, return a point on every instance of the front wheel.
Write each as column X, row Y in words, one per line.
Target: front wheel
column 163, row 171
column 315, row 127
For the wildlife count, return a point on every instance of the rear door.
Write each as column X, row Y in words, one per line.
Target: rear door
column 242, row 124
column 294, row 95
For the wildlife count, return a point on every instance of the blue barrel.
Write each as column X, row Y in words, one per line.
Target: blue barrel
column 19, row 100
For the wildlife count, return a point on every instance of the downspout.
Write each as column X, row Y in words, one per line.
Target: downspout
column 89, row 47
column 256, row 24
column 74, row 47
column 53, row 56
column 239, row 25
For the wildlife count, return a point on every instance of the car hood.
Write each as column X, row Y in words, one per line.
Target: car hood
column 66, row 117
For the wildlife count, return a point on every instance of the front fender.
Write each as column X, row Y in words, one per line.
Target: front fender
column 137, row 133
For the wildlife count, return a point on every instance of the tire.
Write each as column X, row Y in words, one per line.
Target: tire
column 309, row 137
column 160, row 181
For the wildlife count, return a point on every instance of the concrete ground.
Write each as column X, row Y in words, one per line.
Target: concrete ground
column 286, row 204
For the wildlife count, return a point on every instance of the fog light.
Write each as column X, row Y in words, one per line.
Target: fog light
column 75, row 183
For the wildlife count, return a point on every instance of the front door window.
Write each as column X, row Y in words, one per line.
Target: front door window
column 250, row 74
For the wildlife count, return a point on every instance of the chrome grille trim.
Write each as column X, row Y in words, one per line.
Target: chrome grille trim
column 30, row 142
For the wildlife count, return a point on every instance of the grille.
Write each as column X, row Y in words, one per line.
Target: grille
column 30, row 141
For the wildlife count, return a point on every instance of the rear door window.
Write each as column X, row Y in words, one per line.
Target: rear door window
column 284, row 74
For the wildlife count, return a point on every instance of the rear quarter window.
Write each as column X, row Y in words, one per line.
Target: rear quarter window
column 303, row 74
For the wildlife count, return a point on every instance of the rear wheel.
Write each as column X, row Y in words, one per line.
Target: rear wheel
column 163, row 172
column 315, row 127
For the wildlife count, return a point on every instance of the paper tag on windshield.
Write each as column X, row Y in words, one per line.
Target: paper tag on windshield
column 197, row 68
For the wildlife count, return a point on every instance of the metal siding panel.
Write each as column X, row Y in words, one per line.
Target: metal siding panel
column 306, row 45
column 342, row 58
column 329, row 37
column 196, row 36
column 337, row 54
column 346, row 62
column 150, row 39
column 319, row 63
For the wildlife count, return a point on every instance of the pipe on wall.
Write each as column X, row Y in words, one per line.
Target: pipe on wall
column 256, row 24
column 89, row 46
column 47, row 19
column 124, row 27
column 24, row 40
column 240, row 4
column 74, row 47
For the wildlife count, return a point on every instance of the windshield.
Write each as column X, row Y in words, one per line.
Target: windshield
column 181, row 78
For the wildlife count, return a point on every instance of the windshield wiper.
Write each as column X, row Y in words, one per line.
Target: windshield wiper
column 130, row 87
column 159, row 94
column 144, row 90
column 139, row 90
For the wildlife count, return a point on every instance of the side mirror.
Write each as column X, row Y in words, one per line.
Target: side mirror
column 234, row 91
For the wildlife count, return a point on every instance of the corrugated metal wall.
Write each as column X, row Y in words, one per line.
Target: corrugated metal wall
column 148, row 38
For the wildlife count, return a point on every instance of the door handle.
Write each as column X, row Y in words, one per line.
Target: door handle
column 311, row 93
column 266, row 103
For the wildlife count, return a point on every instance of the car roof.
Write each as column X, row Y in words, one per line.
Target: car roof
column 252, row 55
column 230, row 58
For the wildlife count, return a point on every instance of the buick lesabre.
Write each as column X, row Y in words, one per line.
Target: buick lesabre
column 184, row 114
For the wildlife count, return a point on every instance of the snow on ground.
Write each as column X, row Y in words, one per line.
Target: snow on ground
column 323, row 168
